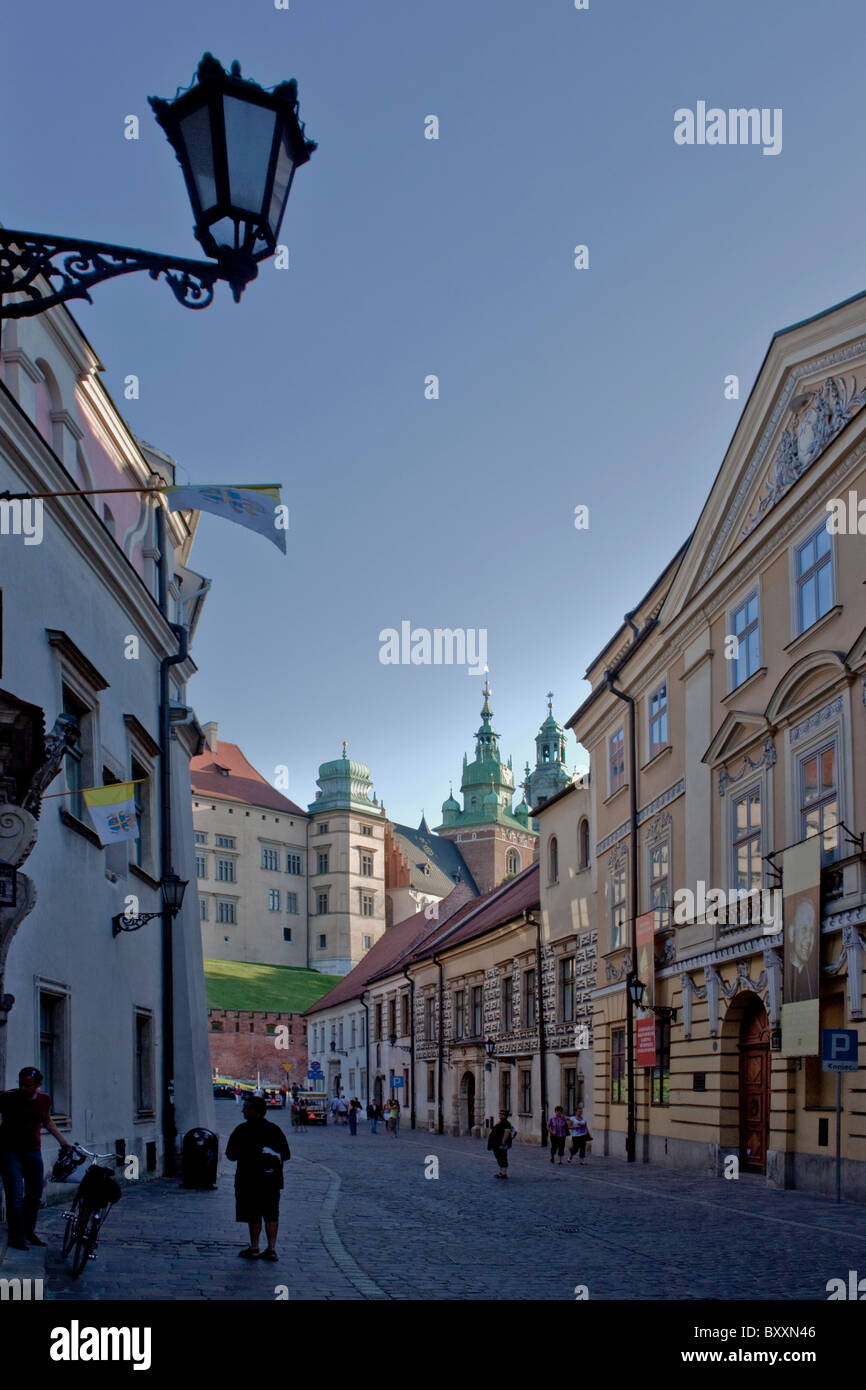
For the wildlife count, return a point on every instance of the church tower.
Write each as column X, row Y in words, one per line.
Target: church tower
column 550, row 774
column 496, row 842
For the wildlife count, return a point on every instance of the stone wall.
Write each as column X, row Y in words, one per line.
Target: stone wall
column 242, row 1042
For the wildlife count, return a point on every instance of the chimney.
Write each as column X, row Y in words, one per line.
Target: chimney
column 210, row 733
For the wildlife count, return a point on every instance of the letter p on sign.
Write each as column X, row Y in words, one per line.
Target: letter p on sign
column 839, row 1049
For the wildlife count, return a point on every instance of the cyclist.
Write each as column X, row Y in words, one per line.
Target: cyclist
column 25, row 1112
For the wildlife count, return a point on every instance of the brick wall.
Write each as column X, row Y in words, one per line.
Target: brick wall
column 242, row 1042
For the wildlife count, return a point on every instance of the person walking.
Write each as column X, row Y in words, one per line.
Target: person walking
column 260, row 1149
column 342, row 1109
column 557, row 1128
column 395, row 1117
column 25, row 1112
column 373, row 1115
column 333, row 1109
column 499, row 1141
column 284, row 1091
column 354, row 1107
column 296, row 1114
column 580, row 1134
column 239, row 1095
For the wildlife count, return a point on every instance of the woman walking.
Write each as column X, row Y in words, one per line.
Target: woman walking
column 395, row 1118
column 580, row 1134
column 373, row 1115
column 557, row 1128
column 499, row 1141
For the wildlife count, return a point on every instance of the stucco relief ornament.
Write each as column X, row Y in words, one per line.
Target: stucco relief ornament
column 819, row 415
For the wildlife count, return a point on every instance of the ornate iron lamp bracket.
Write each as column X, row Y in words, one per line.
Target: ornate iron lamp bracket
column 122, row 923
column 71, row 267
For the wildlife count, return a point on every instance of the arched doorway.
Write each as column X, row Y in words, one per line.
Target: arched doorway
column 467, row 1093
column 754, row 1087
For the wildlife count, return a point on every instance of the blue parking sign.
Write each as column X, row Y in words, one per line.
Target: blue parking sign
column 839, row 1049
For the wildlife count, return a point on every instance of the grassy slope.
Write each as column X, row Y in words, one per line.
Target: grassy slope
column 234, row 984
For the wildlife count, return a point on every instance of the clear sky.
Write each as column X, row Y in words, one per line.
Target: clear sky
column 600, row 387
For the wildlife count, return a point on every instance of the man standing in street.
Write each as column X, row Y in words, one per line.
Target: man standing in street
column 499, row 1141
column 260, row 1149
column 25, row 1112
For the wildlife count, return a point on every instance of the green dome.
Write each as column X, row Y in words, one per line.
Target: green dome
column 345, row 767
column 491, row 799
column 450, row 804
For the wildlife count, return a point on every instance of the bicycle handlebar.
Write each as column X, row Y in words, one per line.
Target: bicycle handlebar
column 90, row 1153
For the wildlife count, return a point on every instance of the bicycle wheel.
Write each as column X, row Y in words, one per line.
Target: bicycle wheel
column 71, row 1225
column 86, row 1236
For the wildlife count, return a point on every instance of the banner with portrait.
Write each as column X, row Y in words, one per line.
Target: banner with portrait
column 801, row 918
column 645, row 1025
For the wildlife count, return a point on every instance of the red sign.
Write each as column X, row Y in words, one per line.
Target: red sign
column 645, row 1036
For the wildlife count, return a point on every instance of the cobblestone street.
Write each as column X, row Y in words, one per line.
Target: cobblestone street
column 361, row 1221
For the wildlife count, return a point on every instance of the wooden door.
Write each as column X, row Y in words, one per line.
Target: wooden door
column 469, row 1082
column 754, row 1089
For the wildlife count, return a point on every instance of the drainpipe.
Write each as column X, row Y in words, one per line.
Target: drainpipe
column 366, row 1007
column 539, row 1013
column 440, row 1030
column 411, row 1047
column 169, row 1131
column 631, row 1134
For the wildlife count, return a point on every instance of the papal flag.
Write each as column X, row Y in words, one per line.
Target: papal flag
column 112, row 810
column 255, row 505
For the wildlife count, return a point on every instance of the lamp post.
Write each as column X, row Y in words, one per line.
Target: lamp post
column 238, row 146
column 173, row 889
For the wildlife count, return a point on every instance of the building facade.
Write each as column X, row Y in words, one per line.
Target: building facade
column 726, row 727
column 250, row 1044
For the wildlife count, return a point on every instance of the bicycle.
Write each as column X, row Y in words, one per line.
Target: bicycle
column 96, row 1195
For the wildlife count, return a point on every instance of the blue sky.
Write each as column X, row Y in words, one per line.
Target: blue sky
column 558, row 387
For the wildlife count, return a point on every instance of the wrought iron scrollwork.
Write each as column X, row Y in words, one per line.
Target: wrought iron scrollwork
column 70, row 268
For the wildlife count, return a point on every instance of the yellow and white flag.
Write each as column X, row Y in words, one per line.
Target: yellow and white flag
column 112, row 810
column 255, row 505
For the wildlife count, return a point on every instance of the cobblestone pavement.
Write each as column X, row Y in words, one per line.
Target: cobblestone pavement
column 360, row 1220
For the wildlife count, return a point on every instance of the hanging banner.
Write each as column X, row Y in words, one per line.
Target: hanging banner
column 801, row 917
column 112, row 810
column 645, row 1026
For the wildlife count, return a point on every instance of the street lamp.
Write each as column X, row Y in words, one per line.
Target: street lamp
column 173, row 889
column 238, row 146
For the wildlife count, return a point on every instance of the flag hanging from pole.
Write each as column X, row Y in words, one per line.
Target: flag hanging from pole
column 254, row 505
column 112, row 810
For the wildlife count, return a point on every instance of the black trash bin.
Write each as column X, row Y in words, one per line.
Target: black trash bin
column 199, row 1158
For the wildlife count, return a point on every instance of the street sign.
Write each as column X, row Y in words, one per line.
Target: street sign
column 839, row 1049
column 396, row 1083
column 314, row 1075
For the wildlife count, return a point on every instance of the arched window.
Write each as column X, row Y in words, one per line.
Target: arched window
column 583, row 844
column 512, row 862
column 545, row 754
column 553, row 860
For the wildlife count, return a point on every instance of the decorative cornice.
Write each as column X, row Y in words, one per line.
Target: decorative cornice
column 19, row 358
column 814, row 721
column 664, row 799
column 140, row 734
column 767, row 759
column 723, row 955
column 76, row 658
column 62, row 417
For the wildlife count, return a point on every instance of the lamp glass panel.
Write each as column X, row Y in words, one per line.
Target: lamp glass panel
column 282, row 179
column 249, row 137
column 196, row 132
column 223, row 231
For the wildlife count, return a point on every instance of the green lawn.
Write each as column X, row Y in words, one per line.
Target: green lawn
column 236, row 984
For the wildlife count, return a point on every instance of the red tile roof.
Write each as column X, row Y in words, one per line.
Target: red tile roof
column 495, row 909
column 243, row 782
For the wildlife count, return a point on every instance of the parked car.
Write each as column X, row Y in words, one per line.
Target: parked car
column 273, row 1100
column 314, row 1108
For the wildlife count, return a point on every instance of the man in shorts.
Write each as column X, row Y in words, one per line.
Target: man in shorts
column 260, row 1149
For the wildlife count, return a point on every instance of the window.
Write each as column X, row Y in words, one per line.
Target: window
column 340, row 1035
column 377, row 1018
column 746, row 840
column 530, row 1009
column 291, row 902
column 616, row 761
column 274, row 900
column 617, row 904
column 367, row 902
column 404, row 1010
column 226, row 870
column 368, row 941
column 459, row 1013
column 505, row 1090
column 392, row 1018
column 569, row 1089
column 508, row 1003
column 552, row 860
column 270, row 858
column 658, row 719
column 477, row 1011
column 201, row 866
column 353, row 1035
column 430, row 1018
column 52, row 1048
column 142, row 799
column 819, row 799
column 745, row 626
column 566, row 989
column 323, row 827
column 287, row 933
column 431, row 1084
column 660, row 1079
column 293, row 863
column 323, row 941
column 583, row 844
column 79, row 761
column 366, row 865
column 143, row 1062
column 322, row 861
column 617, row 1066
column 366, row 830
column 322, row 903
column 200, row 837
column 225, row 841
column 225, row 911
column 202, row 909
column 660, row 882
column 814, row 575
column 526, row 1093
column 512, row 862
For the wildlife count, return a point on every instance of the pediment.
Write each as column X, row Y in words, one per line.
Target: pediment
column 739, row 730
column 813, row 676
column 856, row 657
